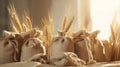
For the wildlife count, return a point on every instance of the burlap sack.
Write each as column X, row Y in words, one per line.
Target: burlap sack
column 82, row 46
column 31, row 47
column 8, row 48
column 59, row 45
column 24, row 36
column 20, row 38
column 108, row 50
column 97, row 47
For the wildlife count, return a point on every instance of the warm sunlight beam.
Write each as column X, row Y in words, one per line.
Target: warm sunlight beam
column 102, row 13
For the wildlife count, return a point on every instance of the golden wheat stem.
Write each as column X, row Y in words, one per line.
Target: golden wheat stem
column 29, row 22
column 64, row 23
column 69, row 25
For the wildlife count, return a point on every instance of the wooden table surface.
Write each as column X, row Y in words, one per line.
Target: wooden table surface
column 36, row 64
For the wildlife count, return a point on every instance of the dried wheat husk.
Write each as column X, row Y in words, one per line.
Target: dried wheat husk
column 14, row 17
column 16, row 24
column 67, row 28
column 64, row 23
column 115, row 39
column 24, row 27
column 48, row 29
column 28, row 21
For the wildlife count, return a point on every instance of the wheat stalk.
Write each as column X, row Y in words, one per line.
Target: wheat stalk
column 115, row 38
column 14, row 18
column 69, row 25
column 64, row 23
column 48, row 30
column 24, row 27
column 15, row 22
column 29, row 22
